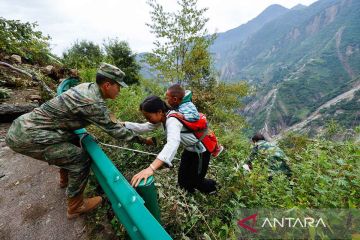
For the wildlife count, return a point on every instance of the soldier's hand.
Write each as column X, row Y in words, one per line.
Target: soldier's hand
column 150, row 141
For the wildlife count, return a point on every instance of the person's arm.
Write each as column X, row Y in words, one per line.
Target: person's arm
column 141, row 127
column 147, row 172
column 173, row 139
column 167, row 154
column 100, row 115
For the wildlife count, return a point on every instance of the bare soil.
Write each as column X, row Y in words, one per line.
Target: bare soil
column 32, row 205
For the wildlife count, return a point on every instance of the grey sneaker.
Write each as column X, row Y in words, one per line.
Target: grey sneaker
column 217, row 151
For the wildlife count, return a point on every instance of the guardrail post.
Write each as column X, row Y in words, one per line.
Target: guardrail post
column 148, row 192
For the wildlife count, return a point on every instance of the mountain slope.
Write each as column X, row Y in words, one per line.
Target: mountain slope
column 227, row 41
column 332, row 108
column 309, row 55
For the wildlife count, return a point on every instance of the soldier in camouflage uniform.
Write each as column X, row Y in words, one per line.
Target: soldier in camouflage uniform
column 46, row 133
column 275, row 158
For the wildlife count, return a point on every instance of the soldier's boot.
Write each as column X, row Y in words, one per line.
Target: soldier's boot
column 78, row 205
column 64, row 179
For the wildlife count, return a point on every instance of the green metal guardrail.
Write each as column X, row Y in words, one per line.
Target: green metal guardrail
column 126, row 202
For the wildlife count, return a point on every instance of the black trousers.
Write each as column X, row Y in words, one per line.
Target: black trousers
column 189, row 177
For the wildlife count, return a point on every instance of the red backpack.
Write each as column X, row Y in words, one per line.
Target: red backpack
column 200, row 129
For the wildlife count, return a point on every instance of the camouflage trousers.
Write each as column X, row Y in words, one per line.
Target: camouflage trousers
column 63, row 154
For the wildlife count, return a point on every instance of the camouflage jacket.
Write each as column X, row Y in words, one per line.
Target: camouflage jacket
column 275, row 158
column 55, row 120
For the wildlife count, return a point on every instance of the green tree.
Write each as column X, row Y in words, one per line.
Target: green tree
column 120, row 54
column 22, row 39
column 182, row 41
column 181, row 55
column 83, row 54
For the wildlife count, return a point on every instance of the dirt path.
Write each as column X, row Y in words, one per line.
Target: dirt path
column 346, row 95
column 32, row 206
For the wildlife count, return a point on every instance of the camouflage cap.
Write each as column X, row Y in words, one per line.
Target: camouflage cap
column 112, row 72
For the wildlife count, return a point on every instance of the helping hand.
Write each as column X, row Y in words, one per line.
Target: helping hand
column 144, row 174
column 150, row 141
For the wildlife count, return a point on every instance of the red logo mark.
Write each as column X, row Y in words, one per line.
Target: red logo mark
column 242, row 224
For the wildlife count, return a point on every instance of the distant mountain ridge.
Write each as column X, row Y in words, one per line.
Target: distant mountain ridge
column 298, row 7
column 227, row 41
column 299, row 59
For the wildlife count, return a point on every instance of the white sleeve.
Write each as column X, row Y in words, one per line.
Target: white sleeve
column 141, row 127
column 173, row 131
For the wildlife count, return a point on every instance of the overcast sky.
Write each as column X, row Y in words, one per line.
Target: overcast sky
column 68, row 20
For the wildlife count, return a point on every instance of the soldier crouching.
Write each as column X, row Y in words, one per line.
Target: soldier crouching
column 46, row 133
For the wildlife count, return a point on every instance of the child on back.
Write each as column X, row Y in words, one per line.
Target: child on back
column 181, row 101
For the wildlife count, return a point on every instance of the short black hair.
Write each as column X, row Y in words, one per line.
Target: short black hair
column 153, row 104
column 176, row 91
column 101, row 79
column 258, row 137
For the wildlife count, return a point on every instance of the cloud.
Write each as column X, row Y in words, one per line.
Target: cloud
column 69, row 20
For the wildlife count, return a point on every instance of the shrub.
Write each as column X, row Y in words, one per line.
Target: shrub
column 23, row 39
column 83, row 54
column 324, row 176
column 120, row 54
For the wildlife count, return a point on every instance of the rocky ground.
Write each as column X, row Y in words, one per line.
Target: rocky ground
column 32, row 205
